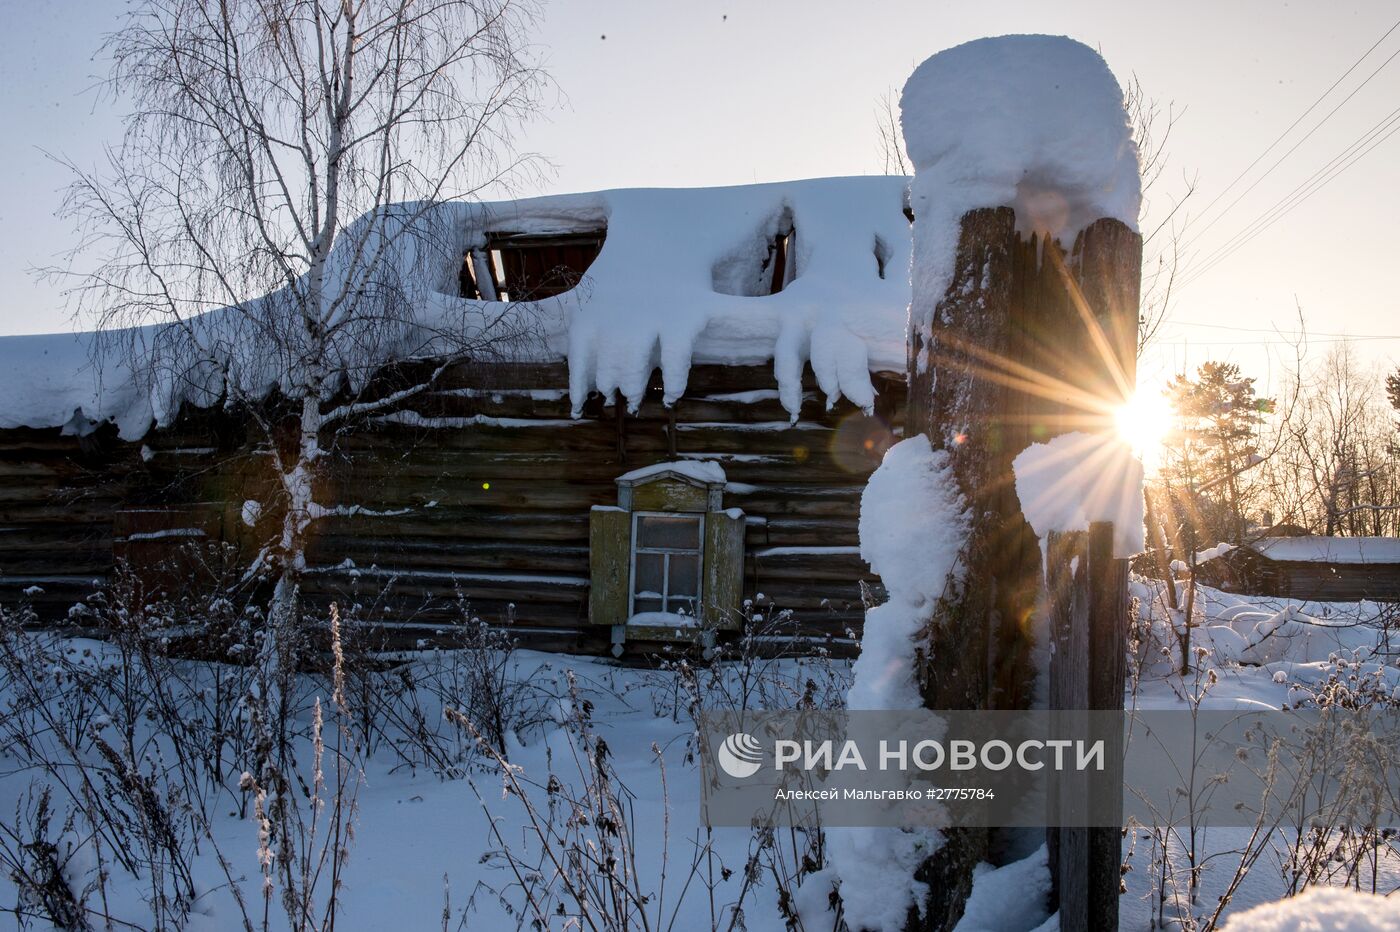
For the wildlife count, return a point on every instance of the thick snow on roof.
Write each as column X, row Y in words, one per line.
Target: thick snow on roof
column 668, row 289
column 63, row 379
column 1330, row 549
column 1033, row 122
column 676, row 283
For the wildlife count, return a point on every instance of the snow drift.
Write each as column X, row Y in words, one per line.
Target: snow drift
column 1322, row 909
column 913, row 523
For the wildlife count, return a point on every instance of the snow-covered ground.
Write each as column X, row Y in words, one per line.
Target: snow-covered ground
column 423, row 844
column 1251, row 652
column 423, row 851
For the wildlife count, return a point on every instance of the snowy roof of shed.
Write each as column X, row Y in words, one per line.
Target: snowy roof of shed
column 670, row 288
column 1329, row 549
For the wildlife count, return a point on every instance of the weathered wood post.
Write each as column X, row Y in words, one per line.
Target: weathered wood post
column 1087, row 599
column 1006, row 319
column 961, row 409
column 1014, row 338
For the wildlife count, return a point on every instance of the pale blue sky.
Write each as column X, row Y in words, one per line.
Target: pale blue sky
column 706, row 93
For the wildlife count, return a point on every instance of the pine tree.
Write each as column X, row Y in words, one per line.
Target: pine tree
column 1218, row 418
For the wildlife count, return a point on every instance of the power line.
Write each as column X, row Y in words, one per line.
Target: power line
column 1248, row 168
column 1185, row 341
column 1315, row 182
column 1302, row 333
column 1283, row 204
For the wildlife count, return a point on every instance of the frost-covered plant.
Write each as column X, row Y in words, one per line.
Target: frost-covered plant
column 117, row 782
column 132, row 744
column 1176, row 833
column 39, row 864
column 577, row 864
column 306, row 819
column 1316, row 838
column 470, row 665
column 1346, row 840
column 769, row 665
column 1178, row 836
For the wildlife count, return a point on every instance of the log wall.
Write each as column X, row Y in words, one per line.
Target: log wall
column 481, row 488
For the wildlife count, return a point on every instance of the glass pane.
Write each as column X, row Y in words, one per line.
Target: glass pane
column 678, row 533
column 681, row 607
column 685, row 574
column 649, row 574
column 640, row 606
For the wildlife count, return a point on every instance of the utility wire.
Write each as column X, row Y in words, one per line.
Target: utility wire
column 1295, row 205
column 1313, row 106
column 1290, row 333
column 1182, row 341
column 1315, row 182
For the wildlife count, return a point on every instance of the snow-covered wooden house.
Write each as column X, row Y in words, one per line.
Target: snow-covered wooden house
column 1332, row 569
column 711, row 376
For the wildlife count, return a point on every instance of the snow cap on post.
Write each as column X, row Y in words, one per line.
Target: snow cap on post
column 1036, row 123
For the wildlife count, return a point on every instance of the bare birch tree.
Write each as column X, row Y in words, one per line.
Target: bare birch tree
column 1337, row 471
column 272, row 227
column 892, row 157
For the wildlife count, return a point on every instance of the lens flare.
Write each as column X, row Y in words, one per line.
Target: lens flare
column 1143, row 422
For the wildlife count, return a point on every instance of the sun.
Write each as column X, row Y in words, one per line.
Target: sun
column 1143, row 422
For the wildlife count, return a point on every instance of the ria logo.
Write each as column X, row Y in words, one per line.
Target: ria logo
column 740, row 755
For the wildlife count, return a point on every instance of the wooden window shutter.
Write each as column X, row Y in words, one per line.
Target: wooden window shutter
column 724, row 568
column 609, row 558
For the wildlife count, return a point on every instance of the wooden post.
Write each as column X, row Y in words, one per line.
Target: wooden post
column 1024, row 331
column 959, row 407
column 1108, row 670
column 1087, row 602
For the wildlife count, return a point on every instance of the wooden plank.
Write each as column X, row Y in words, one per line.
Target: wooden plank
column 1087, row 601
column 724, row 569
column 610, row 539
column 1107, row 674
column 669, row 495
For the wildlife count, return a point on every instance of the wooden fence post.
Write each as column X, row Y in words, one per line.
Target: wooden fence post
column 1087, row 602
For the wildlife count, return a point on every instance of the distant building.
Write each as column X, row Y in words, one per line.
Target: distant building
column 1337, row 569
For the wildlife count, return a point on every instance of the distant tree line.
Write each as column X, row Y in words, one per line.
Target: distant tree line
column 1322, row 458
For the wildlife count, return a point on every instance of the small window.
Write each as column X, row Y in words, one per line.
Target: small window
column 667, row 561
column 667, row 553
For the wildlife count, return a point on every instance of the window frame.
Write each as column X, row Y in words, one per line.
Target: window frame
column 634, row 547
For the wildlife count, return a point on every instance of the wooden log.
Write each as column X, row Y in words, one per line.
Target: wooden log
column 1025, row 344
column 1087, row 595
column 960, row 411
column 545, row 470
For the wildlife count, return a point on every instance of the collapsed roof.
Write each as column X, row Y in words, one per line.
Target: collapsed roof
column 684, row 276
